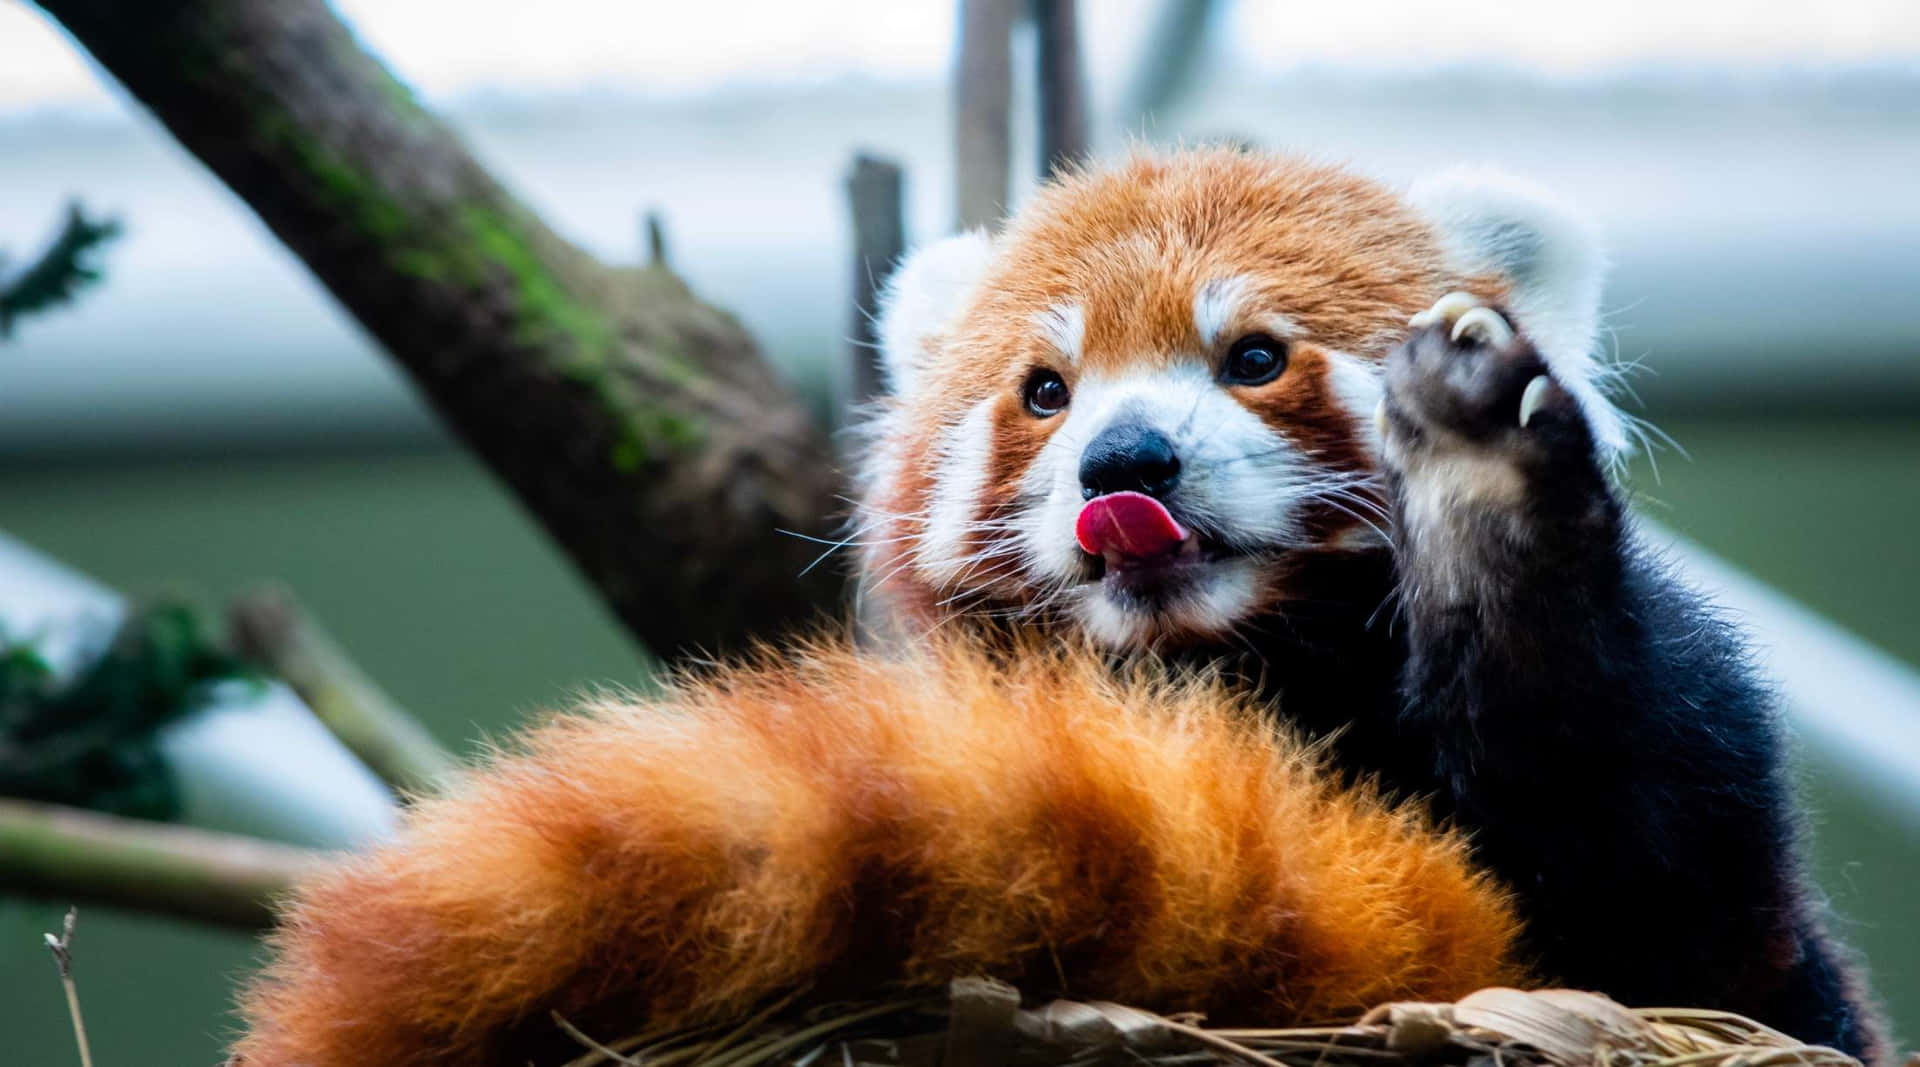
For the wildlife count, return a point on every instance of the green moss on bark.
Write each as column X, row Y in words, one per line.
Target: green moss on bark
column 487, row 249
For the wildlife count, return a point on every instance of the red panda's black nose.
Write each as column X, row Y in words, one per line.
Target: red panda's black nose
column 1129, row 456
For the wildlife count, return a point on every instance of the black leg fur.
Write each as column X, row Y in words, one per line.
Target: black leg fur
column 1591, row 721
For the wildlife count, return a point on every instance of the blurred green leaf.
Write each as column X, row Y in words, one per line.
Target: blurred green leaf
column 93, row 742
column 66, row 267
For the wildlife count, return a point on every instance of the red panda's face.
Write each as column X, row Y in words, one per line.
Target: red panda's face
column 1144, row 407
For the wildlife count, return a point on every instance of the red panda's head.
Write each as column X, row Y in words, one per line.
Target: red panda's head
column 1141, row 409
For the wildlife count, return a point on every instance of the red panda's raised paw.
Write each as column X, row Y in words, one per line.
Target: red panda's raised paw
column 1467, row 378
column 1488, row 456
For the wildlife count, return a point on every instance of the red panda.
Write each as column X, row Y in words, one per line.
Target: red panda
column 1350, row 444
column 1341, row 449
column 862, row 824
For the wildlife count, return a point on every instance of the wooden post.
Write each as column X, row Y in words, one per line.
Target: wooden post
column 1062, row 86
column 982, row 94
column 1166, row 66
column 879, row 239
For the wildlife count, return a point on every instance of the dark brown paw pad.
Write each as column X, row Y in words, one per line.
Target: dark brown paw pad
column 1467, row 370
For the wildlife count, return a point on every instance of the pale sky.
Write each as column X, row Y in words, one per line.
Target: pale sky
column 452, row 47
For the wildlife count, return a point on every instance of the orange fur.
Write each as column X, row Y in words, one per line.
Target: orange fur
column 857, row 823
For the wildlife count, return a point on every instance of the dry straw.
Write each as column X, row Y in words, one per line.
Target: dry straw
column 980, row 1023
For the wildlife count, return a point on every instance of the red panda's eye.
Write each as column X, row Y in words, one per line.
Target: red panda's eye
column 1254, row 360
column 1046, row 393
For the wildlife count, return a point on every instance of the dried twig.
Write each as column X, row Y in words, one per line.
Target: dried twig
column 62, row 949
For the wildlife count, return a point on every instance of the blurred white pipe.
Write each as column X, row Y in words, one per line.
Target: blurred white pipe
column 254, row 760
column 1844, row 697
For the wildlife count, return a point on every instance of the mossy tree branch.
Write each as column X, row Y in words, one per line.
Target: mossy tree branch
column 638, row 424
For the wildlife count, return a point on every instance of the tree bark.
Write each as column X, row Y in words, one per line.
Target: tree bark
column 983, row 104
column 639, row 425
column 71, row 856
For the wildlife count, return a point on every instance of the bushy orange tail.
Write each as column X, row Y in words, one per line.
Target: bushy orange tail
column 859, row 825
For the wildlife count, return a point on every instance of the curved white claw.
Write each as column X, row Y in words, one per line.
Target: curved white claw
column 1380, row 419
column 1445, row 309
column 1484, row 325
column 1533, row 397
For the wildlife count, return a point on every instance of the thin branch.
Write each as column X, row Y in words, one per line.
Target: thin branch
column 62, row 949
column 982, row 93
column 1062, row 86
column 269, row 627
column 879, row 239
column 69, row 855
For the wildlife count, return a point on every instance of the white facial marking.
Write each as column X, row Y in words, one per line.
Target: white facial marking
column 961, row 466
column 1064, row 326
column 1221, row 303
column 1216, row 305
column 1357, row 389
column 922, row 297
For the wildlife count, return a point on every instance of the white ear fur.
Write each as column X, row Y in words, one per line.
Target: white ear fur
column 1551, row 255
column 929, row 287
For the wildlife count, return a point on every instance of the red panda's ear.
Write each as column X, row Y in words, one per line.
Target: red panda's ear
column 929, row 288
column 1550, row 254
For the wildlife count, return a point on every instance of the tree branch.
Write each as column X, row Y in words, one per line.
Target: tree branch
column 268, row 627
column 639, row 425
column 72, row 856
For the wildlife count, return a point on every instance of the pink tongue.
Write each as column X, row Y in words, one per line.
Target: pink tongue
column 1132, row 524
